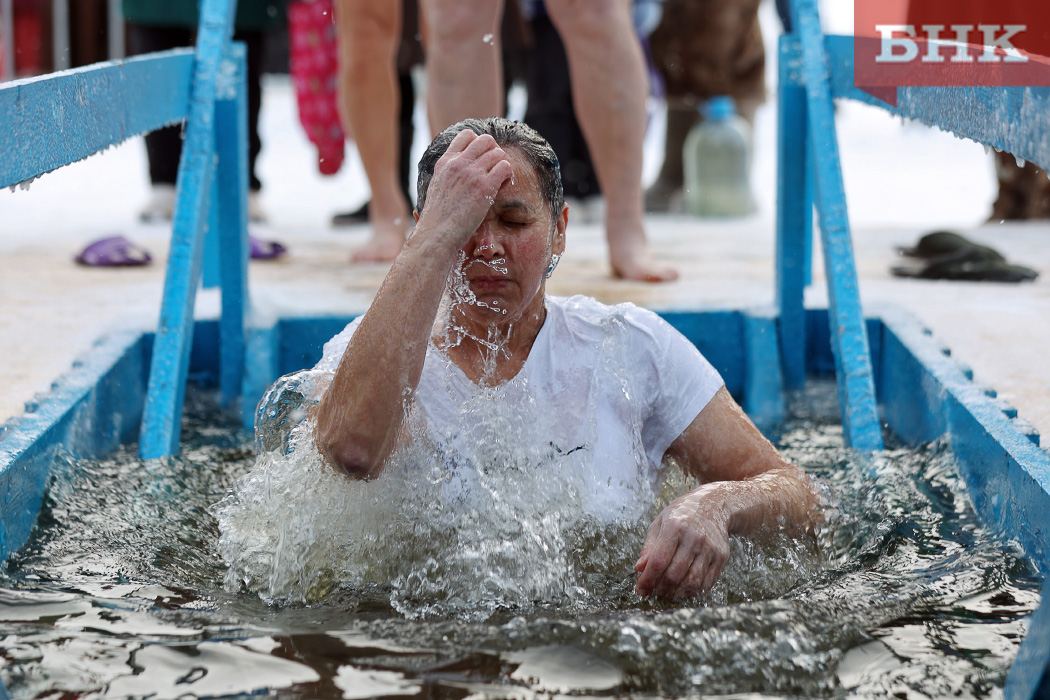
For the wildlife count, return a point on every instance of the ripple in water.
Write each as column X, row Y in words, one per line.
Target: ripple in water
column 303, row 583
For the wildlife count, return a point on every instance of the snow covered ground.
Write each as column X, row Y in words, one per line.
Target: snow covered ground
column 901, row 180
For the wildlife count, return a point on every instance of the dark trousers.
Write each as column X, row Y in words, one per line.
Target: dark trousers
column 164, row 146
column 406, row 130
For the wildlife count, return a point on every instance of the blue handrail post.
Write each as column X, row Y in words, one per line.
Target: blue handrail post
column 849, row 338
column 161, row 421
column 794, row 222
column 231, row 205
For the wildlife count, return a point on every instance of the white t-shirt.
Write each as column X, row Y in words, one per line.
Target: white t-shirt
column 603, row 394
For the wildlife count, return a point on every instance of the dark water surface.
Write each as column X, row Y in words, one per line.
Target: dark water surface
column 120, row 593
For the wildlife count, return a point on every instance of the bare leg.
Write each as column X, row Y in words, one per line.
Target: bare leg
column 609, row 91
column 464, row 64
column 369, row 32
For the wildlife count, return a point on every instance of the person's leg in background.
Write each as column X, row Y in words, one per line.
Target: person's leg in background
column 405, row 133
column 1024, row 191
column 464, row 60
column 253, row 42
column 410, row 55
column 609, row 92
column 550, row 112
column 369, row 34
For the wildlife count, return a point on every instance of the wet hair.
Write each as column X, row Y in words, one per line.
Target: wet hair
column 508, row 134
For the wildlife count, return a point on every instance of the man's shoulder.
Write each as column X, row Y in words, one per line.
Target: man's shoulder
column 579, row 312
column 587, row 309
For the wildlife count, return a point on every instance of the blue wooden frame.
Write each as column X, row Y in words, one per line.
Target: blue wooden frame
column 212, row 191
column 806, row 111
column 61, row 118
column 57, row 119
column 814, row 69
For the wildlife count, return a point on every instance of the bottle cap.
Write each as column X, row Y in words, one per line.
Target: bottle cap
column 720, row 108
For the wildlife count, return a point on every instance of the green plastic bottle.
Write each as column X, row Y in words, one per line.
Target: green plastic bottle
column 717, row 162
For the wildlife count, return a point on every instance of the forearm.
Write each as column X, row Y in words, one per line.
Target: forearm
column 361, row 414
column 780, row 499
column 363, row 411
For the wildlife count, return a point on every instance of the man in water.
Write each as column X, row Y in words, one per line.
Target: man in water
column 462, row 326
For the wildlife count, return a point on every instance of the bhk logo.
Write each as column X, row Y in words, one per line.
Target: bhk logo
column 900, row 43
column 950, row 43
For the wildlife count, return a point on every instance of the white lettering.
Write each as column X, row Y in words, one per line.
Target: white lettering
column 1006, row 52
column 890, row 43
column 933, row 43
column 962, row 36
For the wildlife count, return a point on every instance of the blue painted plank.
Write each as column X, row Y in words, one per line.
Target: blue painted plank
column 709, row 333
column 161, row 422
column 167, row 383
column 1015, row 119
column 763, row 382
column 860, row 417
column 928, row 394
column 301, row 341
column 1011, row 119
column 210, row 270
column 56, row 119
column 794, row 224
column 838, row 50
column 88, row 412
column 261, row 369
column 231, row 208
column 1029, row 676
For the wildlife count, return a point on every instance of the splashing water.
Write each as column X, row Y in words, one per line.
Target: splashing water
column 122, row 585
column 464, row 533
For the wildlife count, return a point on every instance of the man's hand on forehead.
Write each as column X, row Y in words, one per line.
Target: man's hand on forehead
column 467, row 179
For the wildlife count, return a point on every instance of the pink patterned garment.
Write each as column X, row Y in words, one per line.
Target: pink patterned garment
column 315, row 67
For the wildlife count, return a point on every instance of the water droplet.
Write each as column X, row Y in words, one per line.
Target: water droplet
column 1020, row 161
column 489, row 39
column 987, row 150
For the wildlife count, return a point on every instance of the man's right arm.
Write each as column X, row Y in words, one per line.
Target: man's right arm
column 362, row 412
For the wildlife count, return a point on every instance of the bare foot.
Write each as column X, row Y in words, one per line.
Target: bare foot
column 629, row 253
column 384, row 245
column 646, row 271
column 633, row 262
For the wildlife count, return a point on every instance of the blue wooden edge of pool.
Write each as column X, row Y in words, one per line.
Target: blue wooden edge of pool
column 923, row 393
